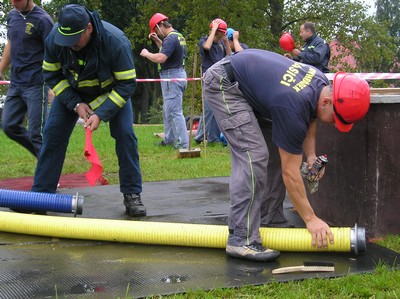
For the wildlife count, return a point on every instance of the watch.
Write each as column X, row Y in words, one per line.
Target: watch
column 76, row 107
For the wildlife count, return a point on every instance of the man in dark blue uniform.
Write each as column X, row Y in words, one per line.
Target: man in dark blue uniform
column 89, row 65
column 315, row 51
column 171, row 57
column 213, row 47
column 28, row 26
column 234, row 43
column 290, row 96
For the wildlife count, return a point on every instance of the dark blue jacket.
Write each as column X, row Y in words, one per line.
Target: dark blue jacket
column 102, row 74
column 315, row 52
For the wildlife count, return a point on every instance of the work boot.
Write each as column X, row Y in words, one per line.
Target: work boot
column 133, row 205
column 253, row 252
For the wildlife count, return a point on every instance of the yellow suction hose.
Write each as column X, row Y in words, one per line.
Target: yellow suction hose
column 178, row 234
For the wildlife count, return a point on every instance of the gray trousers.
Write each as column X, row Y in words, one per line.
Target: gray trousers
column 249, row 156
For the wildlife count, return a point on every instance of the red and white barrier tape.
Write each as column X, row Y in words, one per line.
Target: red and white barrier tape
column 366, row 76
column 370, row 76
column 142, row 80
column 168, row 80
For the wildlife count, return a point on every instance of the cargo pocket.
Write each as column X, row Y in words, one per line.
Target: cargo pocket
column 236, row 128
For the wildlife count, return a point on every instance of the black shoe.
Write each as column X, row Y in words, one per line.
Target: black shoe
column 134, row 206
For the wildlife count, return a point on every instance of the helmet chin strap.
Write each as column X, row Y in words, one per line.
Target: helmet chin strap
column 162, row 33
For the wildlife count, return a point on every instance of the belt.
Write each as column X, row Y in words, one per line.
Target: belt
column 172, row 68
column 229, row 72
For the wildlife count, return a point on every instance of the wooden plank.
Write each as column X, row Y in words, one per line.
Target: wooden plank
column 385, row 90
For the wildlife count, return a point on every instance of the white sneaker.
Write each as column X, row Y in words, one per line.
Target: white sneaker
column 253, row 252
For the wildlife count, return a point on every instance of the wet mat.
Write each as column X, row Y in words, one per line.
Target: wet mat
column 45, row 267
column 25, row 183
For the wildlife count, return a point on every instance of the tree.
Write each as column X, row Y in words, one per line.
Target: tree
column 372, row 42
column 389, row 11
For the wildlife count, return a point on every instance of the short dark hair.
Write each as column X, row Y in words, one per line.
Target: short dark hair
column 309, row 26
column 166, row 24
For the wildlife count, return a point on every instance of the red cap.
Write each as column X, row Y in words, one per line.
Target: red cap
column 351, row 99
column 222, row 27
column 155, row 19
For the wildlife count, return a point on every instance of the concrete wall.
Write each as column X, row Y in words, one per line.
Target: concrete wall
column 362, row 179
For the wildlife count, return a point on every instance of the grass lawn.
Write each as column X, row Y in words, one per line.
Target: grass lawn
column 157, row 163
column 161, row 163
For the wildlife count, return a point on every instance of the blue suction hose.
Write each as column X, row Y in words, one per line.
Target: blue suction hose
column 39, row 201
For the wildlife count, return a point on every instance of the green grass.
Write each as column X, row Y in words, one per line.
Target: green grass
column 161, row 163
column 157, row 163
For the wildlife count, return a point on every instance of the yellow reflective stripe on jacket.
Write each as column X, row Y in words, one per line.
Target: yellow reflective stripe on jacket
column 60, row 87
column 114, row 96
column 125, row 75
column 51, row 67
column 107, row 82
column 88, row 83
column 104, row 84
column 117, row 99
column 98, row 101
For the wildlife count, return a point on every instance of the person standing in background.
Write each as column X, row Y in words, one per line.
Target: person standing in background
column 315, row 51
column 27, row 28
column 213, row 48
column 171, row 57
column 234, row 43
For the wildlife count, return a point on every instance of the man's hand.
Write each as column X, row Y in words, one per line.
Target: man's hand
column 295, row 52
column 144, row 53
column 320, row 232
column 287, row 55
column 92, row 122
column 1, row 76
column 84, row 111
column 215, row 24
column 154, row 37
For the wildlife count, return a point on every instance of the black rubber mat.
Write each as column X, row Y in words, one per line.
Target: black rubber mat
column 44, row 267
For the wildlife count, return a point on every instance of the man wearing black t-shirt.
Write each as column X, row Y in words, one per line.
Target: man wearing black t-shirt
column 27, row 28
column 291, row 96
column 171, row 57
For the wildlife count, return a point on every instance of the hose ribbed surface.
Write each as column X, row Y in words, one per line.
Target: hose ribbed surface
column 299, row 239
column 160, row 233
column 36, row 201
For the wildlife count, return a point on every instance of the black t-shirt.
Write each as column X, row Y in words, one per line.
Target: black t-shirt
column 174, row 47
column 281, row 90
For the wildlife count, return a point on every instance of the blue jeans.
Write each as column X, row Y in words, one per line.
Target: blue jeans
column 22, row 101
column 57, row 132
column 212, row 130
column 174, row 122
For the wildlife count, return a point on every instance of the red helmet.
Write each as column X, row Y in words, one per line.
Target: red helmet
column 286, row 42
column 351, row 99
column 222, row 27
column 155, row 19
